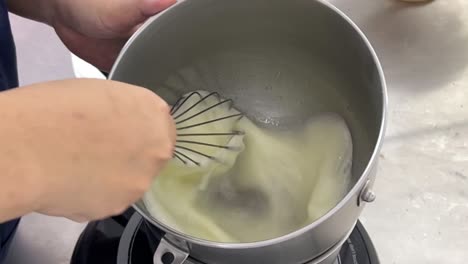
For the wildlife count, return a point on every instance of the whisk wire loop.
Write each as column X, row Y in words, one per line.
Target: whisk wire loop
column 183, row 149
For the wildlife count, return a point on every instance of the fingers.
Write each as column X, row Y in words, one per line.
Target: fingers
column 110, row 157
column 102, row 52
column 99, row 52
column 150, row 8
column 146, row 9
column 162, row 131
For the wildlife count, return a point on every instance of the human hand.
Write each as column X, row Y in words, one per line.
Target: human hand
column 96, row 30
column 91, row 147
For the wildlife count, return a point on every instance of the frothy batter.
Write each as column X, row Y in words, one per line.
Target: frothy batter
column 271, row 183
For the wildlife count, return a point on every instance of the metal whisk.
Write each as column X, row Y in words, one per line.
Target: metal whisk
column 188, row 118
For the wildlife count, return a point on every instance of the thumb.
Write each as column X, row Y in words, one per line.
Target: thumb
column 128, row 15
column 151, row 7
column 148, row 8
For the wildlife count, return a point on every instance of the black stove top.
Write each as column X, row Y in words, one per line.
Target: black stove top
column 122, row 240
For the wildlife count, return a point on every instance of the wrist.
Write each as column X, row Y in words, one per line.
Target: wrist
column 21, row 177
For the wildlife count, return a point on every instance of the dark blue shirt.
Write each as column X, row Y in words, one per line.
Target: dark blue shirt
column 8, row 73
column 8, row 70
column 8, row 80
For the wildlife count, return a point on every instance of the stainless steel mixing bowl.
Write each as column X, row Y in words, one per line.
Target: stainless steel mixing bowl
column 281, row 61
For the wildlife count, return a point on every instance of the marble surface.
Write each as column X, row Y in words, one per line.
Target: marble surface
column 421, row 212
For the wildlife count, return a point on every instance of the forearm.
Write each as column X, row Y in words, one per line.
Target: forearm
column 39, row 10
column 18, row 182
